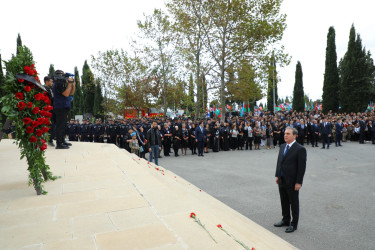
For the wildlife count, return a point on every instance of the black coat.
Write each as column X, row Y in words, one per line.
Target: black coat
column 293, row 164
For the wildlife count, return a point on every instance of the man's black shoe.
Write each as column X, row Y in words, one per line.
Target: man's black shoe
column 290, row 229
column 67, row 144
column 281, row 223
column 62, row 146
column 322, row 148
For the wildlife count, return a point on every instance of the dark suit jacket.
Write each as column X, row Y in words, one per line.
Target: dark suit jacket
column 199, row 135
column 338, row 128
column 293, row 164
column 327, row 129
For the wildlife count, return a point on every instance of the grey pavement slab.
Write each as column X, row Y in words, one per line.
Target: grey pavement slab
column 337, row 200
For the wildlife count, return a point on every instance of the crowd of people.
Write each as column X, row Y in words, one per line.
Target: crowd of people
column 236, row 133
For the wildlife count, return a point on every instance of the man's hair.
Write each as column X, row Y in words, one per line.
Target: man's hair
column 47, row 78
column 295, row 131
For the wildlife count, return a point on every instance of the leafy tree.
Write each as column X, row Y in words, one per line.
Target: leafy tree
column 237, row 29
column 287, row 99
column 298, row 94
column 331, row 75
column 160, row 48
column 245, row 88
column 126, row 81
column 272, row 83
column 88, row 87
column 190, row 100
column 51, row 70
column 189, row 16
column 355, row 72
column 19, row 43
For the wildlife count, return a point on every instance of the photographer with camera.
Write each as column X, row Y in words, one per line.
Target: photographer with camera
column 63, row 88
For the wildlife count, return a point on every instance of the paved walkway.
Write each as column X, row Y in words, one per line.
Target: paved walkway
column 109, row 199
column 337, row 199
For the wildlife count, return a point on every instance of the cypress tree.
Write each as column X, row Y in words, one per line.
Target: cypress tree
column 355, row 83
column 88, row 88
column 98, row 100
column 298, row 94
column 331, row 75
column 51, row 70
column 2, row 82
column 78, row 98
column 272, row 80
column 19, row 43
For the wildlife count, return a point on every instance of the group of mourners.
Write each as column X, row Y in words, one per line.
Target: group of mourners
column 252, row 131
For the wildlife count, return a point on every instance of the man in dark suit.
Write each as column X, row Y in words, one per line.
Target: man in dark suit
column 326, row 131
column 290, row 169
column 200, row 135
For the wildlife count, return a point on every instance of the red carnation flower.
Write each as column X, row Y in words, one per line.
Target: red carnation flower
column 19, row 95
column 32, row 66
column 36, row 110
column 40, row 121
column 48, row 114
column 29, row 130
column 29, row 105
column 26, row 120
column 43, row 113
column 34, row 124
column 26, row 68
column 27, row 88
column 44, row 147
column 45, row 129
column 46, row 100
column 48, row 108
column 39, row 132
column 192, row 215
column 35, row 72
column 21, row 80
column 33, row 139
column 43, row 141
column 21, row 105
column 38, row 96
column 47, row 122
column 37, row 78
column 219, row 226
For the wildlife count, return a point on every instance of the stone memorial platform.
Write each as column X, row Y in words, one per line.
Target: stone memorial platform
column 107, row 198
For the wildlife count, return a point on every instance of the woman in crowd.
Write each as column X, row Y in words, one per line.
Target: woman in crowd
column 233, row 139
column 257, row 136
column 176, row 140
column 268, row 135
column 185, row 138
column 192, row 142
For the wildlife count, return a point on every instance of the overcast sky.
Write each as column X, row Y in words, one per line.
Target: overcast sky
column 66, row 33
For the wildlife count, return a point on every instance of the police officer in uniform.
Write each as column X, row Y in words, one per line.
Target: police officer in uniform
column 72, row 130
column 98, row 131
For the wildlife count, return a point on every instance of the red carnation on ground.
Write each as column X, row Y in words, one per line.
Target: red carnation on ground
column 21, row 105
column 26, row 120
column 39, row 132
column 35, row 110
column 19, row 95
column 33, row 139
column 192, row 215
column 29, row 105
column 219, row 226
column 29, row 129
column 27, row 88
column 21, row 80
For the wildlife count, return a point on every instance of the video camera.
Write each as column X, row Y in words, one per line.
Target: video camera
column 61, row 79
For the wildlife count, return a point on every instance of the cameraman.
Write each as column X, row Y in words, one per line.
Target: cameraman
column 63, row 88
